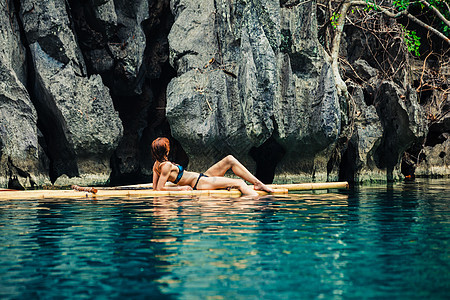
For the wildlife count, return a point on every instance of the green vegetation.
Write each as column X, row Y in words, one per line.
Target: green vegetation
column 423, row 26
column 412, row 42
column 334, row 18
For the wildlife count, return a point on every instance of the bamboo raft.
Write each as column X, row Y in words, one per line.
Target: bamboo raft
column 145, row 190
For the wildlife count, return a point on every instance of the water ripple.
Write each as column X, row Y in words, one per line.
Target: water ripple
column 372, row 242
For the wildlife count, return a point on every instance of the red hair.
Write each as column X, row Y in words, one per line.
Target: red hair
column 160, row 149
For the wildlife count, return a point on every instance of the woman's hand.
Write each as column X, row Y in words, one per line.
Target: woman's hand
column 185, row 188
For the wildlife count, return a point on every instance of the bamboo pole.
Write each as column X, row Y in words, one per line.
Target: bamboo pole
column 135, row 192
column 312, row 186
column 290, row 187
column 42, row 194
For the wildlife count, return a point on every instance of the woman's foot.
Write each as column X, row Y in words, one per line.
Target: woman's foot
column 244, row 188
column 250, row 194
column 259, row 186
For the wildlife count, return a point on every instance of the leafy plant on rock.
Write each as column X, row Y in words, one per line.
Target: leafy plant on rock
column 433, row 16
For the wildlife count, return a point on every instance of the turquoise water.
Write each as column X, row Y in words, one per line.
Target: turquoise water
column 378, row 242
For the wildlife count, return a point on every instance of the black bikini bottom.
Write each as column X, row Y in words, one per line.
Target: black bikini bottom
column 199, row 176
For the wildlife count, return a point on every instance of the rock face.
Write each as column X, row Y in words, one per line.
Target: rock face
column 87, row 85
column 22, row 160
column 82, row 128
column 251, row 72
column 365, row 136
column 433, row 159
column 248, row 72
column 50, row 88
column 403, row 124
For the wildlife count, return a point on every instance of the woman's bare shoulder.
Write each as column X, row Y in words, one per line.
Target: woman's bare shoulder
column 166, row 166
column 159, row 166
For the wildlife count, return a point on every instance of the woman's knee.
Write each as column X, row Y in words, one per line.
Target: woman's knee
column 240, row 183
column 230, row 159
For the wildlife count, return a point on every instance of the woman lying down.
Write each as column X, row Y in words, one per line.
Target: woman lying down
column 212, row 179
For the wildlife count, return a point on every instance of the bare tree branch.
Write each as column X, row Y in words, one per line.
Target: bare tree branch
column 339, row 19
column 428, row 27
column 336, row 43
column 446, row 4
column 436, row 12
column 404, row 13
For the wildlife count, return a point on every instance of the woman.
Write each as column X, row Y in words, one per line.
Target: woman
column 212, row 179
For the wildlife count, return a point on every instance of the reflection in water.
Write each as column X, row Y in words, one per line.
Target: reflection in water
column 373, row 242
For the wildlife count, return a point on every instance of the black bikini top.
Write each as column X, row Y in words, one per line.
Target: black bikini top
column 180, row 174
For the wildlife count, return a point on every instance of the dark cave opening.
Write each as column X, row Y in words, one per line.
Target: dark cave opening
column 158, row 126
column 347, row 167
column 410, row 159
column 140, row 97
column 62, row 157
column 437, row 134
column 267, row 156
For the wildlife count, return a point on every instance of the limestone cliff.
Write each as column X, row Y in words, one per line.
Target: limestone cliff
column 87, row 85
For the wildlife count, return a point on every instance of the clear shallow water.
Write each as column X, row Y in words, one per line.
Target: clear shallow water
column 371, row 243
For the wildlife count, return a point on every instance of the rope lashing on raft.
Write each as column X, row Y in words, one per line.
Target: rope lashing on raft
column 84, row 189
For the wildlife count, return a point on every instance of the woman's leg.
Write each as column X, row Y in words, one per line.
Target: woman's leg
column 229, row 162
column 213, row 183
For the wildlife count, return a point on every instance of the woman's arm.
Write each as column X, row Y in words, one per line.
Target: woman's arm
column 160, row 181
column 162, row 178
column 178, row 188
column 155, row 176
